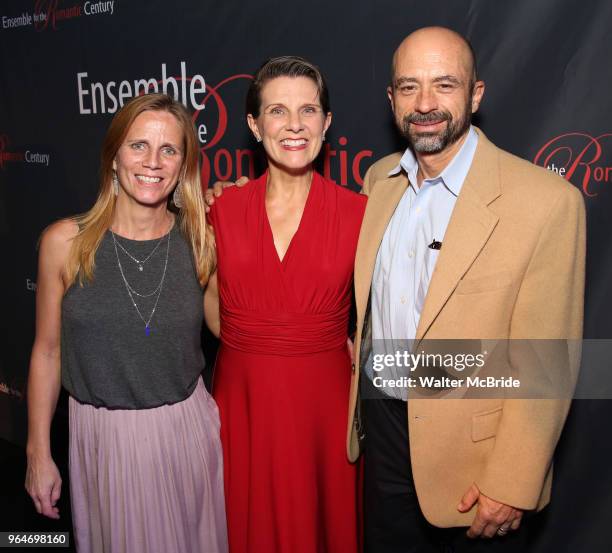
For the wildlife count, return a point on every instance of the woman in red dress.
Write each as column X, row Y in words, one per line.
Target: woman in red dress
column 286, row 246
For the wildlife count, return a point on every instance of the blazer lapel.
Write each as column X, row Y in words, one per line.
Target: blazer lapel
column 381, row 204
column 469, row 228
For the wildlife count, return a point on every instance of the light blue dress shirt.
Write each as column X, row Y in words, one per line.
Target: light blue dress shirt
column 404, row 263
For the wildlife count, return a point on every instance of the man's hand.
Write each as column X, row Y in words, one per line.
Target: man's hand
column 351, row 349
column 217, row 190
column 491, row 517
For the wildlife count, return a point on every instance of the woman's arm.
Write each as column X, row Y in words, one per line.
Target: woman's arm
column 43, row 481
column 211, row 305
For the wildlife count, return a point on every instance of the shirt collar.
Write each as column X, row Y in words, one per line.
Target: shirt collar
column 453, row 174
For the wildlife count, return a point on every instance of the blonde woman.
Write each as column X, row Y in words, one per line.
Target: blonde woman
column 121, row 287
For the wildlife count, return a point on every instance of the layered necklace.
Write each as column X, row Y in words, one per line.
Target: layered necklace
column 139, row 262
column 132, row 292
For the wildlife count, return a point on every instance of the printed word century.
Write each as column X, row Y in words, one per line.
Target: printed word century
column 98, row 97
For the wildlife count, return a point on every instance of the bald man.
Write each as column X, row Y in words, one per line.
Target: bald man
column 460, row 240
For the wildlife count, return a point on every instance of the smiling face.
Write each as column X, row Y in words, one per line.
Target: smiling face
column 291, row 123
column 433, row 94
column 149, row 160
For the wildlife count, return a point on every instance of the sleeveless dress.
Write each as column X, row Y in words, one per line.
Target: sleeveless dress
column 146, row 469
column 283, row 372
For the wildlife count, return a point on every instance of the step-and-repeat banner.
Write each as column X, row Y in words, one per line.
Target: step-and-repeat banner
column 66, row 66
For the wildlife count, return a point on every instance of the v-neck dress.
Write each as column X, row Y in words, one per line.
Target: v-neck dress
column 282, row 374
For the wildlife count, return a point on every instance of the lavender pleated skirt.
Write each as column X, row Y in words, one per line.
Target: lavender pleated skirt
column 148, row 481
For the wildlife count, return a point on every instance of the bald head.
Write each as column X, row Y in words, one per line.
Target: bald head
column 434, row 90
column 435, row 44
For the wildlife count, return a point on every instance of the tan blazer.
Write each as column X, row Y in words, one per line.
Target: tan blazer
column 511, row 266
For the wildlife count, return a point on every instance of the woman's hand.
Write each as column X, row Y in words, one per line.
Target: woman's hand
column 217, row 189
column 44, row 484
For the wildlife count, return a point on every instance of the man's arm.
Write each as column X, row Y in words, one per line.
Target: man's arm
column 366, row 187
column 549, row 309
column 379, row 171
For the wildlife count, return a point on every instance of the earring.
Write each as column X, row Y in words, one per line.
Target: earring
column 115, row 183
column 323, row 137
column 177, row 197
column 258, row 138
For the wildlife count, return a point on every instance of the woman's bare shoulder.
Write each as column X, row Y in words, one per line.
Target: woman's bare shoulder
column 57, row 238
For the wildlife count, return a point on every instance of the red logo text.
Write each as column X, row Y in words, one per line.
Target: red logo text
column 578, row 157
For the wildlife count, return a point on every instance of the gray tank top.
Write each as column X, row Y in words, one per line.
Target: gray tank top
column 108, row 358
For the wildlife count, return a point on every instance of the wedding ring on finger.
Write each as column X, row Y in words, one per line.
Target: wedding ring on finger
column 501, row 531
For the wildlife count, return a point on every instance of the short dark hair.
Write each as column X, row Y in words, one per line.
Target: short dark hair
column 285, row 66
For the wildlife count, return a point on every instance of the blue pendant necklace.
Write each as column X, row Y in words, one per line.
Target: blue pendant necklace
column 133, row 292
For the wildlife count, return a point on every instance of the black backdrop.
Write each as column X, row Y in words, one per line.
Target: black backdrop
column 65, row 63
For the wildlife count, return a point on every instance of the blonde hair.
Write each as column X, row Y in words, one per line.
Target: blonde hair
column 191, row 218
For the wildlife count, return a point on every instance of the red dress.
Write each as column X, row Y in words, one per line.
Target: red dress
column 282, row 373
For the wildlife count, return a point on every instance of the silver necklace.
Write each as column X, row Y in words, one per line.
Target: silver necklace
column 131, row 291
column 139, row 262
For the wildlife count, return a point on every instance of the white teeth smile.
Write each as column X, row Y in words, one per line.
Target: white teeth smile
column 148, row 179
column 289, row 142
